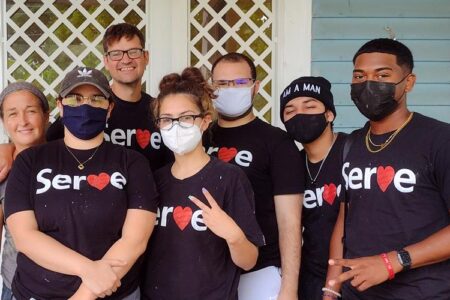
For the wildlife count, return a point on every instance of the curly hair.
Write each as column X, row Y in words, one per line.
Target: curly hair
column 190, row 82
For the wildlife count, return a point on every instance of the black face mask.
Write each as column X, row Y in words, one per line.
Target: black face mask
column 375, row 99
column 305, row 128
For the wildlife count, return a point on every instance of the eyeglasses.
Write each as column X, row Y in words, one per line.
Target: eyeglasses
column 118, row 54
column 186, row 121
column 239, row 82
column 74, row 100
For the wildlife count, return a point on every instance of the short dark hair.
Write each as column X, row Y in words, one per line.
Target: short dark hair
column 115, row 32
column 236, row 57
column 383, row 45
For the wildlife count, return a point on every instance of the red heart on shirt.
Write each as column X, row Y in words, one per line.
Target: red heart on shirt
column 329, row 193
column 142, row 137
column 182, row 216
column 227, row 154
column 385, row 177
column 99, row 182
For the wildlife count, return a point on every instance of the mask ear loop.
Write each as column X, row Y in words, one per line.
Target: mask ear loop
column 404, row 91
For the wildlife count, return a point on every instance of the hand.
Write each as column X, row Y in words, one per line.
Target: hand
column 364, row 272
column 217, row 220
column 100, row 277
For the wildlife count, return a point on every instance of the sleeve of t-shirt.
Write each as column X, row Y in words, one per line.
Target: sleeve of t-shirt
column 442, row 170
column 18, row 188
column 287, row 169
column 240, row 206
column 55, row 131
column 141, row 186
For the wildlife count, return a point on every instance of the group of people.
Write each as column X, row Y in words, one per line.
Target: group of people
column 190, row 196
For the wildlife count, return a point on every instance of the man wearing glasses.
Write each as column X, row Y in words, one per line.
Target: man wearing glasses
column 131, row 124
column 273, row 165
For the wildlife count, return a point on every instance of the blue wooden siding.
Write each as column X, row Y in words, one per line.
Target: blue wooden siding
column 340, row 27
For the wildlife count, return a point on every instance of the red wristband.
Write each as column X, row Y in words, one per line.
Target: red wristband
column 388, row 265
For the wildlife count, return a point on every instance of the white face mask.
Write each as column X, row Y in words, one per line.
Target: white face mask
column 181, row 140
column 233, row 102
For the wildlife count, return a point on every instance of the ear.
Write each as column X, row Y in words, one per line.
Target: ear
column 410, row 82
column 105, row 62
column 256, row 87
column 329, row 116
column 60, row 107
column 110, row 108
column 147, row 57
column 207, row 119
column 46, row 117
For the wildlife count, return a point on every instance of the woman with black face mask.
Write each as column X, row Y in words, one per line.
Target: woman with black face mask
column 307, row 111
column 80, row 210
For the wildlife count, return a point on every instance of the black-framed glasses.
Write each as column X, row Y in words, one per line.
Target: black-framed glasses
column 185, row 121
column 75, row 100
column 238, row 82
column 132, row 53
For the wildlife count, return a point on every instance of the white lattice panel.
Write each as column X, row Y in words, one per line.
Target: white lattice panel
column 48, row 38
column 245, row 26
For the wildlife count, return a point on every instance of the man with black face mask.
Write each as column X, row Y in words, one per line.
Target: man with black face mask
column 273, row 165
column 307, row 111
column 397, row 178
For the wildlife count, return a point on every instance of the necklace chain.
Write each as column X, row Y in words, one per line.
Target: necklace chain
column 313, row 180
column 81, row 164
column 369, row 142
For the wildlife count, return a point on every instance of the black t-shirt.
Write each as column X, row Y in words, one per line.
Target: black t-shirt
column 320, row 209
column 185, row 260
column 273, row 165
column 398, row 197
column 132, row 125
column 83, row 209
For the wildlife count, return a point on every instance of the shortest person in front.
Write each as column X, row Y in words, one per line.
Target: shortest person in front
column 206, row 229
column 80, row 210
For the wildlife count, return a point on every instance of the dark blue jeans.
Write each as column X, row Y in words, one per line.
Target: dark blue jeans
column 6, row 293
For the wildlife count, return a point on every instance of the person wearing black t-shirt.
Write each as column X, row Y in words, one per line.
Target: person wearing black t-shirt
column 206, row 229
column 275, row 169
column 80, row 210
column 307, row 111
column 397, row 176
column 131, row 123
column 24, row 111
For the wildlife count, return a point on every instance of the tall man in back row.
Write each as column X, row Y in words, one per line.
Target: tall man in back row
column 273, row 164
column 397, row 176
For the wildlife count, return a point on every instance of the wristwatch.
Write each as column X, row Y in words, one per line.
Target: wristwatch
column 404, row 259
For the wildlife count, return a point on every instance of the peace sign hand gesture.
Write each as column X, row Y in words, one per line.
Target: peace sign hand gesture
column 217, row 220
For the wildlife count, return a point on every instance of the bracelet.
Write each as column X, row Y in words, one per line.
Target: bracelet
column 388, row 265
column 329, row 295
column 329, row 292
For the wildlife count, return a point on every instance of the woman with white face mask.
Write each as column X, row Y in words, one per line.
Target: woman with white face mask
column 206, row 230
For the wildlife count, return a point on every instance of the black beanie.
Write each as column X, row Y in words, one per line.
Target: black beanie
column 308, row 86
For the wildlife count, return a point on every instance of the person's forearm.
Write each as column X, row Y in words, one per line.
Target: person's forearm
column 135, row 235
column 243, row 253
column 290, row 241
column 6, row 159
column 50, row 254
column 288, row 210
column 433, row 249
column 336, row 249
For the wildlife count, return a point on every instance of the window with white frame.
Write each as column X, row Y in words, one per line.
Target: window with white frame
column 45, row 39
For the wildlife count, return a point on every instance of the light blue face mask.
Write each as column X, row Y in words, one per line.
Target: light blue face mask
column 233, row 102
